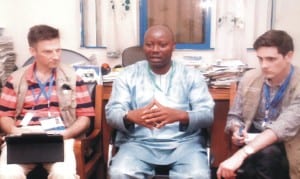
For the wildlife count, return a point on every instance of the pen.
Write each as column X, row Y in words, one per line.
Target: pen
column 241, row 131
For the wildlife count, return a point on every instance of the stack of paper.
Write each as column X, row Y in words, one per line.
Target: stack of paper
column 223, row 74
column 7, row 58
column 110, row 76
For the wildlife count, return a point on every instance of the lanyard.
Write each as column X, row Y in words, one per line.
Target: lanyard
column 42, row 86
column 153, row 80
column 270, row 106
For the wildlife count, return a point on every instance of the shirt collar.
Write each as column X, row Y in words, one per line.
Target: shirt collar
column 30, row 77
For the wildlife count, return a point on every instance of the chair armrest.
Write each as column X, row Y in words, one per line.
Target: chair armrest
column 88, row 152
column 88, row 139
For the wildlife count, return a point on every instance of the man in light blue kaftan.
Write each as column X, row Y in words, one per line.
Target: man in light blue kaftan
column 159, row 107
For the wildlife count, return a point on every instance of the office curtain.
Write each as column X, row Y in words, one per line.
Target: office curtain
column 230, row 31
column 121, row 31
column 91, row 24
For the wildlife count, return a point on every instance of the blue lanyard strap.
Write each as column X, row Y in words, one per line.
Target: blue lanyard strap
column 42, row 86
column 270, row 106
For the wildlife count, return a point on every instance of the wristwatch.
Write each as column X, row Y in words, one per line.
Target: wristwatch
column 248, row 150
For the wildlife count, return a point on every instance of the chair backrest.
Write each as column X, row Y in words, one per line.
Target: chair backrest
column 88, row 150
column 132, row 54
column 98, row 106
column 232, row 93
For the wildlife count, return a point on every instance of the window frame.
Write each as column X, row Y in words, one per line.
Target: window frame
column 83, row 32
column 207, row 29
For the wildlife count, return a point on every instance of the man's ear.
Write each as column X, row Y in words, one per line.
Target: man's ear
column 32, row 51
column 289, row 56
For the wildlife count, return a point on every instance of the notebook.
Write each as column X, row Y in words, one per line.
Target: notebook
column 34, row 148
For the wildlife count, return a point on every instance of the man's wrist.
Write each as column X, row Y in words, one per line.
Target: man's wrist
column 127, row 123
column 248, row 150
column 125, row 116
column 235, row 126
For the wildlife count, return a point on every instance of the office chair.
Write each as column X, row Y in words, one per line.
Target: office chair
column 132, row 54
column 87, row 150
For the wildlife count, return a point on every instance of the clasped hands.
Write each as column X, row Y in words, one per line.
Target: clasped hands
column 155, row 115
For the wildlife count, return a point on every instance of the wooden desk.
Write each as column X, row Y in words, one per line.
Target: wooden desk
column 220, row 147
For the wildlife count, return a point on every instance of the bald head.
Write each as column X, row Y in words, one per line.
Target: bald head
column 168, row 33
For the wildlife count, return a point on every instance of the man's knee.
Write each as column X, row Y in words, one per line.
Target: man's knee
column 8, row 174
column 115, row 173
column 194, row 174
column 11, row 175
column 62, row 170
column 203, row 174
column 62, row 175
column 120, row 172
column 271, row 151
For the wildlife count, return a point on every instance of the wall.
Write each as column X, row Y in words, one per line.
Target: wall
column 17, row 16
column 287, row 18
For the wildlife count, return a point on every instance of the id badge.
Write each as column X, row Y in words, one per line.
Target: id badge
column 52, row 123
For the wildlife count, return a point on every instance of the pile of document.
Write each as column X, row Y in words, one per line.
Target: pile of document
column 224, row 73
column 110, row 77
column 7, row 58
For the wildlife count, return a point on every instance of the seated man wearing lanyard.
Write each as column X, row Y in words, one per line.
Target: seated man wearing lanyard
column 267, row 106
column 45, row 92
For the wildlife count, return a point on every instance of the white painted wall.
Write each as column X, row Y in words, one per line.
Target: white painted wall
column 18, row 15
column 287, row 18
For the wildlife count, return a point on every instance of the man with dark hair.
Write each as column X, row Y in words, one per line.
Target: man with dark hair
column 41, row 32
column 264, row 119
column 38, row 93
column 158, row 107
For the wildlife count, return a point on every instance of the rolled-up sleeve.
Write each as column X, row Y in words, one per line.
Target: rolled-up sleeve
column 287, row 124
column 234, row 116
